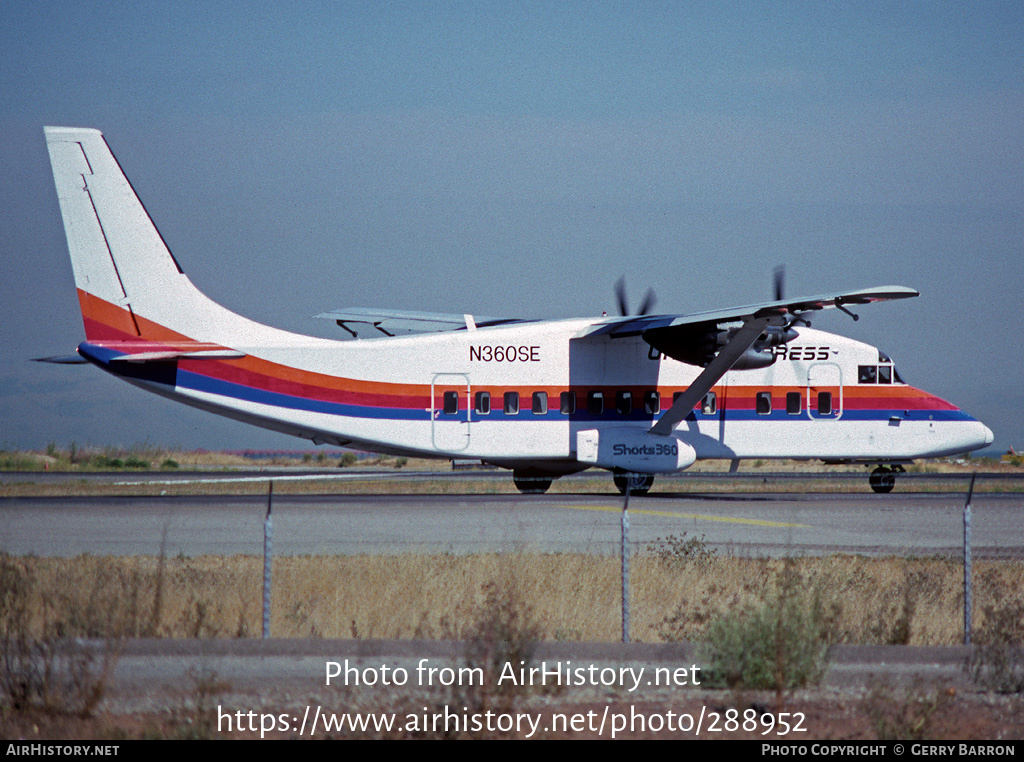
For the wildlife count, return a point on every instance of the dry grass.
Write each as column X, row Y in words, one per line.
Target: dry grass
column 572, row 596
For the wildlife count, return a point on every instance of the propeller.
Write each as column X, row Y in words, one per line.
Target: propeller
column 645, row 306
column 779, row 282
column 779, row 292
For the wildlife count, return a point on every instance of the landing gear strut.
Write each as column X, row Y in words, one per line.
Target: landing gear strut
column 639, row 484
column 882, row 479
column 530, row 485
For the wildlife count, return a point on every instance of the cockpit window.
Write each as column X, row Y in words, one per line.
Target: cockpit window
column 867, row 374
column 884, row 370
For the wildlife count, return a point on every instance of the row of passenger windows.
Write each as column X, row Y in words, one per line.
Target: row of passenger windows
column 794, row 403
column 596, row 402
column 624, row 403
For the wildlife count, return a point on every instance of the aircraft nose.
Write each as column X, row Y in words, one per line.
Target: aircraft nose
column 988, row 435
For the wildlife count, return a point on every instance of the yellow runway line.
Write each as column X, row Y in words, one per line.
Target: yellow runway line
column 701, row 516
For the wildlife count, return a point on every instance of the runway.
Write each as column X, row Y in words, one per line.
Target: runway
column 734, row 524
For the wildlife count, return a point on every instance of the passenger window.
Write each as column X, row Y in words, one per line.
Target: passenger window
column 793, row 403
column 824, row 403
column 567, row 403
column 867, row 374
column 482, row 403
column 709, row 405
column 511, row 403
column 885, row 374
column 451, row 403
column 624, row 403
column 595, row 403
column 652, row 403
column 676, row 396
column 540, row 403
column 764, row 403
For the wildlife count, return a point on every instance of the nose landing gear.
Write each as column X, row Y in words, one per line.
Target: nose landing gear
column 883, row 478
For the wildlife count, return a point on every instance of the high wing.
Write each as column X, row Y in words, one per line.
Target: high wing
column 360, row 321
column 634, row 325
column 714, row 341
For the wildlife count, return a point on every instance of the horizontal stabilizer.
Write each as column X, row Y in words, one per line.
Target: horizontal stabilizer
column 140, row 352
column 62, row 360
column 210, row 354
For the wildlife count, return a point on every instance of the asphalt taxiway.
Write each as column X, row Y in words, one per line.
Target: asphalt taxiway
column 736, row 524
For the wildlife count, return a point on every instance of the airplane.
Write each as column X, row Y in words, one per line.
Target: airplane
column 636, row 394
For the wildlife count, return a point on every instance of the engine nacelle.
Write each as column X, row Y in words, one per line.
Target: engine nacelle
column 753, row 358
column 699, row 344
column 640, row 452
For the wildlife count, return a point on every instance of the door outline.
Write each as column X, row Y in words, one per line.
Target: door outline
column 829, row 375
column 450, row 433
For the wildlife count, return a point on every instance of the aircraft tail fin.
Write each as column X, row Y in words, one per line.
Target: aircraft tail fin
column 130, row 287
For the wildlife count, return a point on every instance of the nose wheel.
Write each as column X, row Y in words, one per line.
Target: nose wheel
column 882, row 479
column 639, row 484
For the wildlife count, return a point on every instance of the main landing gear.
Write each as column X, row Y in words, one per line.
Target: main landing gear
column 883, row 478
column 530, row 485
column 639, row 484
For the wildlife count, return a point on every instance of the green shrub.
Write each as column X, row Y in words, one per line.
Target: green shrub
column 778, row 643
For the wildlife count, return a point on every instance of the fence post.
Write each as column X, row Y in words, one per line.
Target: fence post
column 268, row 531
column 968, row 607
column 625, row 566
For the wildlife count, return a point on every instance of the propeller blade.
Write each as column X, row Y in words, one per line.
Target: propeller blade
column 648, row 303
column 620, row 295
column 780, row 282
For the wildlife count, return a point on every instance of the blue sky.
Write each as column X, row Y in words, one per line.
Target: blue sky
column 516, row 159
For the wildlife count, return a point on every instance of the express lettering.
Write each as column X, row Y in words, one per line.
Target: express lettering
column 784, row 352
column 510, row 353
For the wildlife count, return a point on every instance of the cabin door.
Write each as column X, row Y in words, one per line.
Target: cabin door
column 452, row 411
column 824, row 391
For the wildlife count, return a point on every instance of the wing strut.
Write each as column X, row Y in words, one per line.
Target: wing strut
column 717, row 368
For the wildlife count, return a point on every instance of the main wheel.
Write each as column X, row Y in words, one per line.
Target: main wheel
column 639, row 484
column 531, row 485
column 882, row 479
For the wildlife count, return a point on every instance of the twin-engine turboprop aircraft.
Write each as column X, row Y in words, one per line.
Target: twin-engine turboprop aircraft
column 637, row 395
